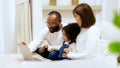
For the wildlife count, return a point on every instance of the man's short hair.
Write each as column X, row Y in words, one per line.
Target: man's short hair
column 56, row 13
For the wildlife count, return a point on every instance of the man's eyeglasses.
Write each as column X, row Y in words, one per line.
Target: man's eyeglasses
column 51, row 24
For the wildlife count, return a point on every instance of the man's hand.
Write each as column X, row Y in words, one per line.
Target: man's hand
column 64, row 55
column 66, row 50
column 43, row 49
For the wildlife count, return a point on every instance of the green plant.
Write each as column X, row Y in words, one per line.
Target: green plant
column 114, row 47
column 116, row 19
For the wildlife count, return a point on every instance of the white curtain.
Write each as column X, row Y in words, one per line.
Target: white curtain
column 7, row 20
column 1, row 28
column 23, row 24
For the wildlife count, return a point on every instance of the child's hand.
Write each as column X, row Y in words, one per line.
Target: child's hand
column 52, row 49
column 64, row 55
column 66, row 50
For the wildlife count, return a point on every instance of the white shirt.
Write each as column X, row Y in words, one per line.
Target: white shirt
column 86, row 43
column 54, row 39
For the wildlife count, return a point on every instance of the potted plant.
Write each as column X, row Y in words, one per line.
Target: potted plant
column 114, row 47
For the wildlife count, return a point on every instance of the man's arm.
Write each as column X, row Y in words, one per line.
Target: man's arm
column 41, row 37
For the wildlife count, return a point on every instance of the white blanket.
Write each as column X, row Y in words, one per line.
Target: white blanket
column 16, row 61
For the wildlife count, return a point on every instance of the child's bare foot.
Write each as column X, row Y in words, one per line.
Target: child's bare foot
column 23, row 43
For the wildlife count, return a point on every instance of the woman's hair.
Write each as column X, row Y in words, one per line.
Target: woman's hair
column 86, row 14
column 72, row 30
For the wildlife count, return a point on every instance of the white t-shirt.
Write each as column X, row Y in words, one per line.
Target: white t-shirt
column 86, row 43
column 54, row 39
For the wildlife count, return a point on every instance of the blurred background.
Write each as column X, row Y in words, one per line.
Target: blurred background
column 21, row 20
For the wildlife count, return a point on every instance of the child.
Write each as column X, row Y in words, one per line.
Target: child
column 70, row 33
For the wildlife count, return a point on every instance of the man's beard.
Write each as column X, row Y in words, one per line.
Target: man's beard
column 56, row 28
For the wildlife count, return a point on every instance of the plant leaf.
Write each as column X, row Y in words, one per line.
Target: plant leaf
column 116, row 19
column 114, row 47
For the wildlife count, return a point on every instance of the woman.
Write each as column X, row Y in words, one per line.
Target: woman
column 89, row 36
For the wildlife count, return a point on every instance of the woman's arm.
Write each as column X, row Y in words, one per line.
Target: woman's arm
column 92, row 39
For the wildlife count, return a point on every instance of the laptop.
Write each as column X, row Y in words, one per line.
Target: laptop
column 27, row 55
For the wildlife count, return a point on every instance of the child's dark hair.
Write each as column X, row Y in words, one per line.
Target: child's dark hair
column 72, row 30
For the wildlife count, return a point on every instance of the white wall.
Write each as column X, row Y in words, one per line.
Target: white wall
column 119, row 5
column 109, row 31
column 67, row 15
column 108, row 8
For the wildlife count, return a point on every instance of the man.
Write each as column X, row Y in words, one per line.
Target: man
column 52, row 34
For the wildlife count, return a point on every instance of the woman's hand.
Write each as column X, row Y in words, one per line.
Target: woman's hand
column 66, row 50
